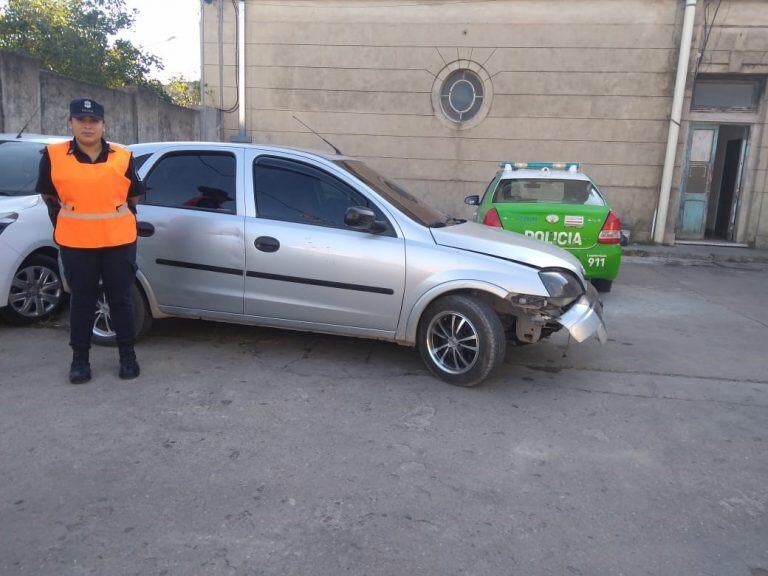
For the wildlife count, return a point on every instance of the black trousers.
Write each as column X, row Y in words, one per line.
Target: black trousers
column 116, row 268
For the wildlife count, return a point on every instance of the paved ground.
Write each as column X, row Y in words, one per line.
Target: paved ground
column 247, row 451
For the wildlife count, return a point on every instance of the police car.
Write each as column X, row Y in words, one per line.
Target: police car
column 555, row 203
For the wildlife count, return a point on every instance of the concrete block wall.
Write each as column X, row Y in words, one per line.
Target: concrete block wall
column 132, row 115
column 57, row 91
column 19, row 93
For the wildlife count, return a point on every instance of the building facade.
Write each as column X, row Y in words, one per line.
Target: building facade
column 434, row 93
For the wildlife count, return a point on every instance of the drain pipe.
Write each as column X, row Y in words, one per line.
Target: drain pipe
column 242, row 135
column 660, row 221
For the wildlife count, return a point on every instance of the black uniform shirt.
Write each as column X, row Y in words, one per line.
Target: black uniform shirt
column 46, row 187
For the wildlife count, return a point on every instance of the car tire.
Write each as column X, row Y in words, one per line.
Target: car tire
column 42, row 272
column 602, row 285
column 104, row 335
column 448, row 330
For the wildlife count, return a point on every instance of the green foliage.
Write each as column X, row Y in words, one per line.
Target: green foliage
column 75, row 38
column 184, row 92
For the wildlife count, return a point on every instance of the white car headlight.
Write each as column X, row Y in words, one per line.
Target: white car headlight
column 563, row 286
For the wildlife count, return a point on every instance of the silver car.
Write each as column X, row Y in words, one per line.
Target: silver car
column 301, row 240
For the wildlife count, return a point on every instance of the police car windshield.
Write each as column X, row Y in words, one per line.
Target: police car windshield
column 19, row 164
column 548, row 191
column 408, row 204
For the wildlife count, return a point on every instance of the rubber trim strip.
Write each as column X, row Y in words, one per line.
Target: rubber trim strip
column 325, row 283
column 204, row 267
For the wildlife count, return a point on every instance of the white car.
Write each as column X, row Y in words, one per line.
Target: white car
column 30, row 282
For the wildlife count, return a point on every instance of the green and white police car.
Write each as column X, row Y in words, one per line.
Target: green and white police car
column 557, row 203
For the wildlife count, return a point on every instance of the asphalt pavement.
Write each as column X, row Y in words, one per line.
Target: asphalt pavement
column 249, row 451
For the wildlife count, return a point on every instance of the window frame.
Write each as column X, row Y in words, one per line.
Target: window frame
column 757, row 90
column 492, row 185
column 140, row 160
column 190, row 152
column 475, row 81
column 321, row 174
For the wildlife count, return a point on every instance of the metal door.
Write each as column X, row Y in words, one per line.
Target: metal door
column 697, row 181
column 194, row 259
column 322, row 275
column 737, row 191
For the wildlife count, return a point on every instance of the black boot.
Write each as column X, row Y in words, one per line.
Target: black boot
column 129, row 367
column 80, row 371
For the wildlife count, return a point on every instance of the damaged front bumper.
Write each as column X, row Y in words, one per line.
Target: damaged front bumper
column 584, row 319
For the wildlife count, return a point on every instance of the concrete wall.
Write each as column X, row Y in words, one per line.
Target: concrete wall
column 583, row 80
column 590, row 85
column 132, row 115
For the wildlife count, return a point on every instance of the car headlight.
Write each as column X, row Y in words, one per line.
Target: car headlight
column 6, row 219
column 563, row 286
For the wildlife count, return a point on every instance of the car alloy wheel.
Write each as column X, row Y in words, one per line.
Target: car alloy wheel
column 103, row 332
column 35, row 292
column 102, row 324
column 452, row 342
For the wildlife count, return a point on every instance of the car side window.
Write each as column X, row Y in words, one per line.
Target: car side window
column 193, row 180
column 297, row 192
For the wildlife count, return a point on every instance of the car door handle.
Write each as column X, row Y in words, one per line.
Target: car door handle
column 267, row 244
column 145, row 229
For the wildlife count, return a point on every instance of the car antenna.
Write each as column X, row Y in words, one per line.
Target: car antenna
column 339, row 152
column 28, row 121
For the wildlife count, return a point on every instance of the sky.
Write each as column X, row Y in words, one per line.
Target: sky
column 169, row 29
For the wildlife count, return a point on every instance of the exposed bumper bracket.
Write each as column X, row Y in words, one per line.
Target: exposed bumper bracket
column 585, row 318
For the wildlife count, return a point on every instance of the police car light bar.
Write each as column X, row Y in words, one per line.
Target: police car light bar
column 570, row 166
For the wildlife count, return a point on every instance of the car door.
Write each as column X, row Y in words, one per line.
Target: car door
column 303, row 264
column 194, row 259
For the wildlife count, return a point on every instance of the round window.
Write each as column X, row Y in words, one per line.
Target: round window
column 461, row 95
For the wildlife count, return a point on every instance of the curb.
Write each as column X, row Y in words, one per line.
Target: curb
column 708, row 258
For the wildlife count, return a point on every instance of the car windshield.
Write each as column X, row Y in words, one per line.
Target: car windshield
column 19, row 163
column 408, row 204
column 548, row 191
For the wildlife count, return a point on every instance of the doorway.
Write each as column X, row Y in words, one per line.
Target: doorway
column 711, row 185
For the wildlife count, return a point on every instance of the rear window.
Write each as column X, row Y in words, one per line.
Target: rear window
column 549, row 191
column 19, row 166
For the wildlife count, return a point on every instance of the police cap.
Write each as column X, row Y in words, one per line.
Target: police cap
column 82, row 107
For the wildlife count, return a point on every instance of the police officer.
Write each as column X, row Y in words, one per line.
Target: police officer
column 91, row 189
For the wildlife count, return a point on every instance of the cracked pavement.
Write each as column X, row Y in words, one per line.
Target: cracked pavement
column 249, row 451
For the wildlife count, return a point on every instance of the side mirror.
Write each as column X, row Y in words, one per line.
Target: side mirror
column 624, row 240
column 473, row 200
column 360, row 218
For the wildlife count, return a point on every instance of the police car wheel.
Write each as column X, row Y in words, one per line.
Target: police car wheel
column 36, row 291
column 461, row 339
column 103, row 332
column 602, row 285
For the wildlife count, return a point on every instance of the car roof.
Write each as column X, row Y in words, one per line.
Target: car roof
column 542, row 175
column 151, row 147
column 37, row 138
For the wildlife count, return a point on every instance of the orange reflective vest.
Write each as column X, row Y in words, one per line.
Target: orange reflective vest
column 94, row 212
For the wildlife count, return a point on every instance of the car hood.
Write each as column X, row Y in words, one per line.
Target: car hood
column 16, row 203
column 504, row 244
